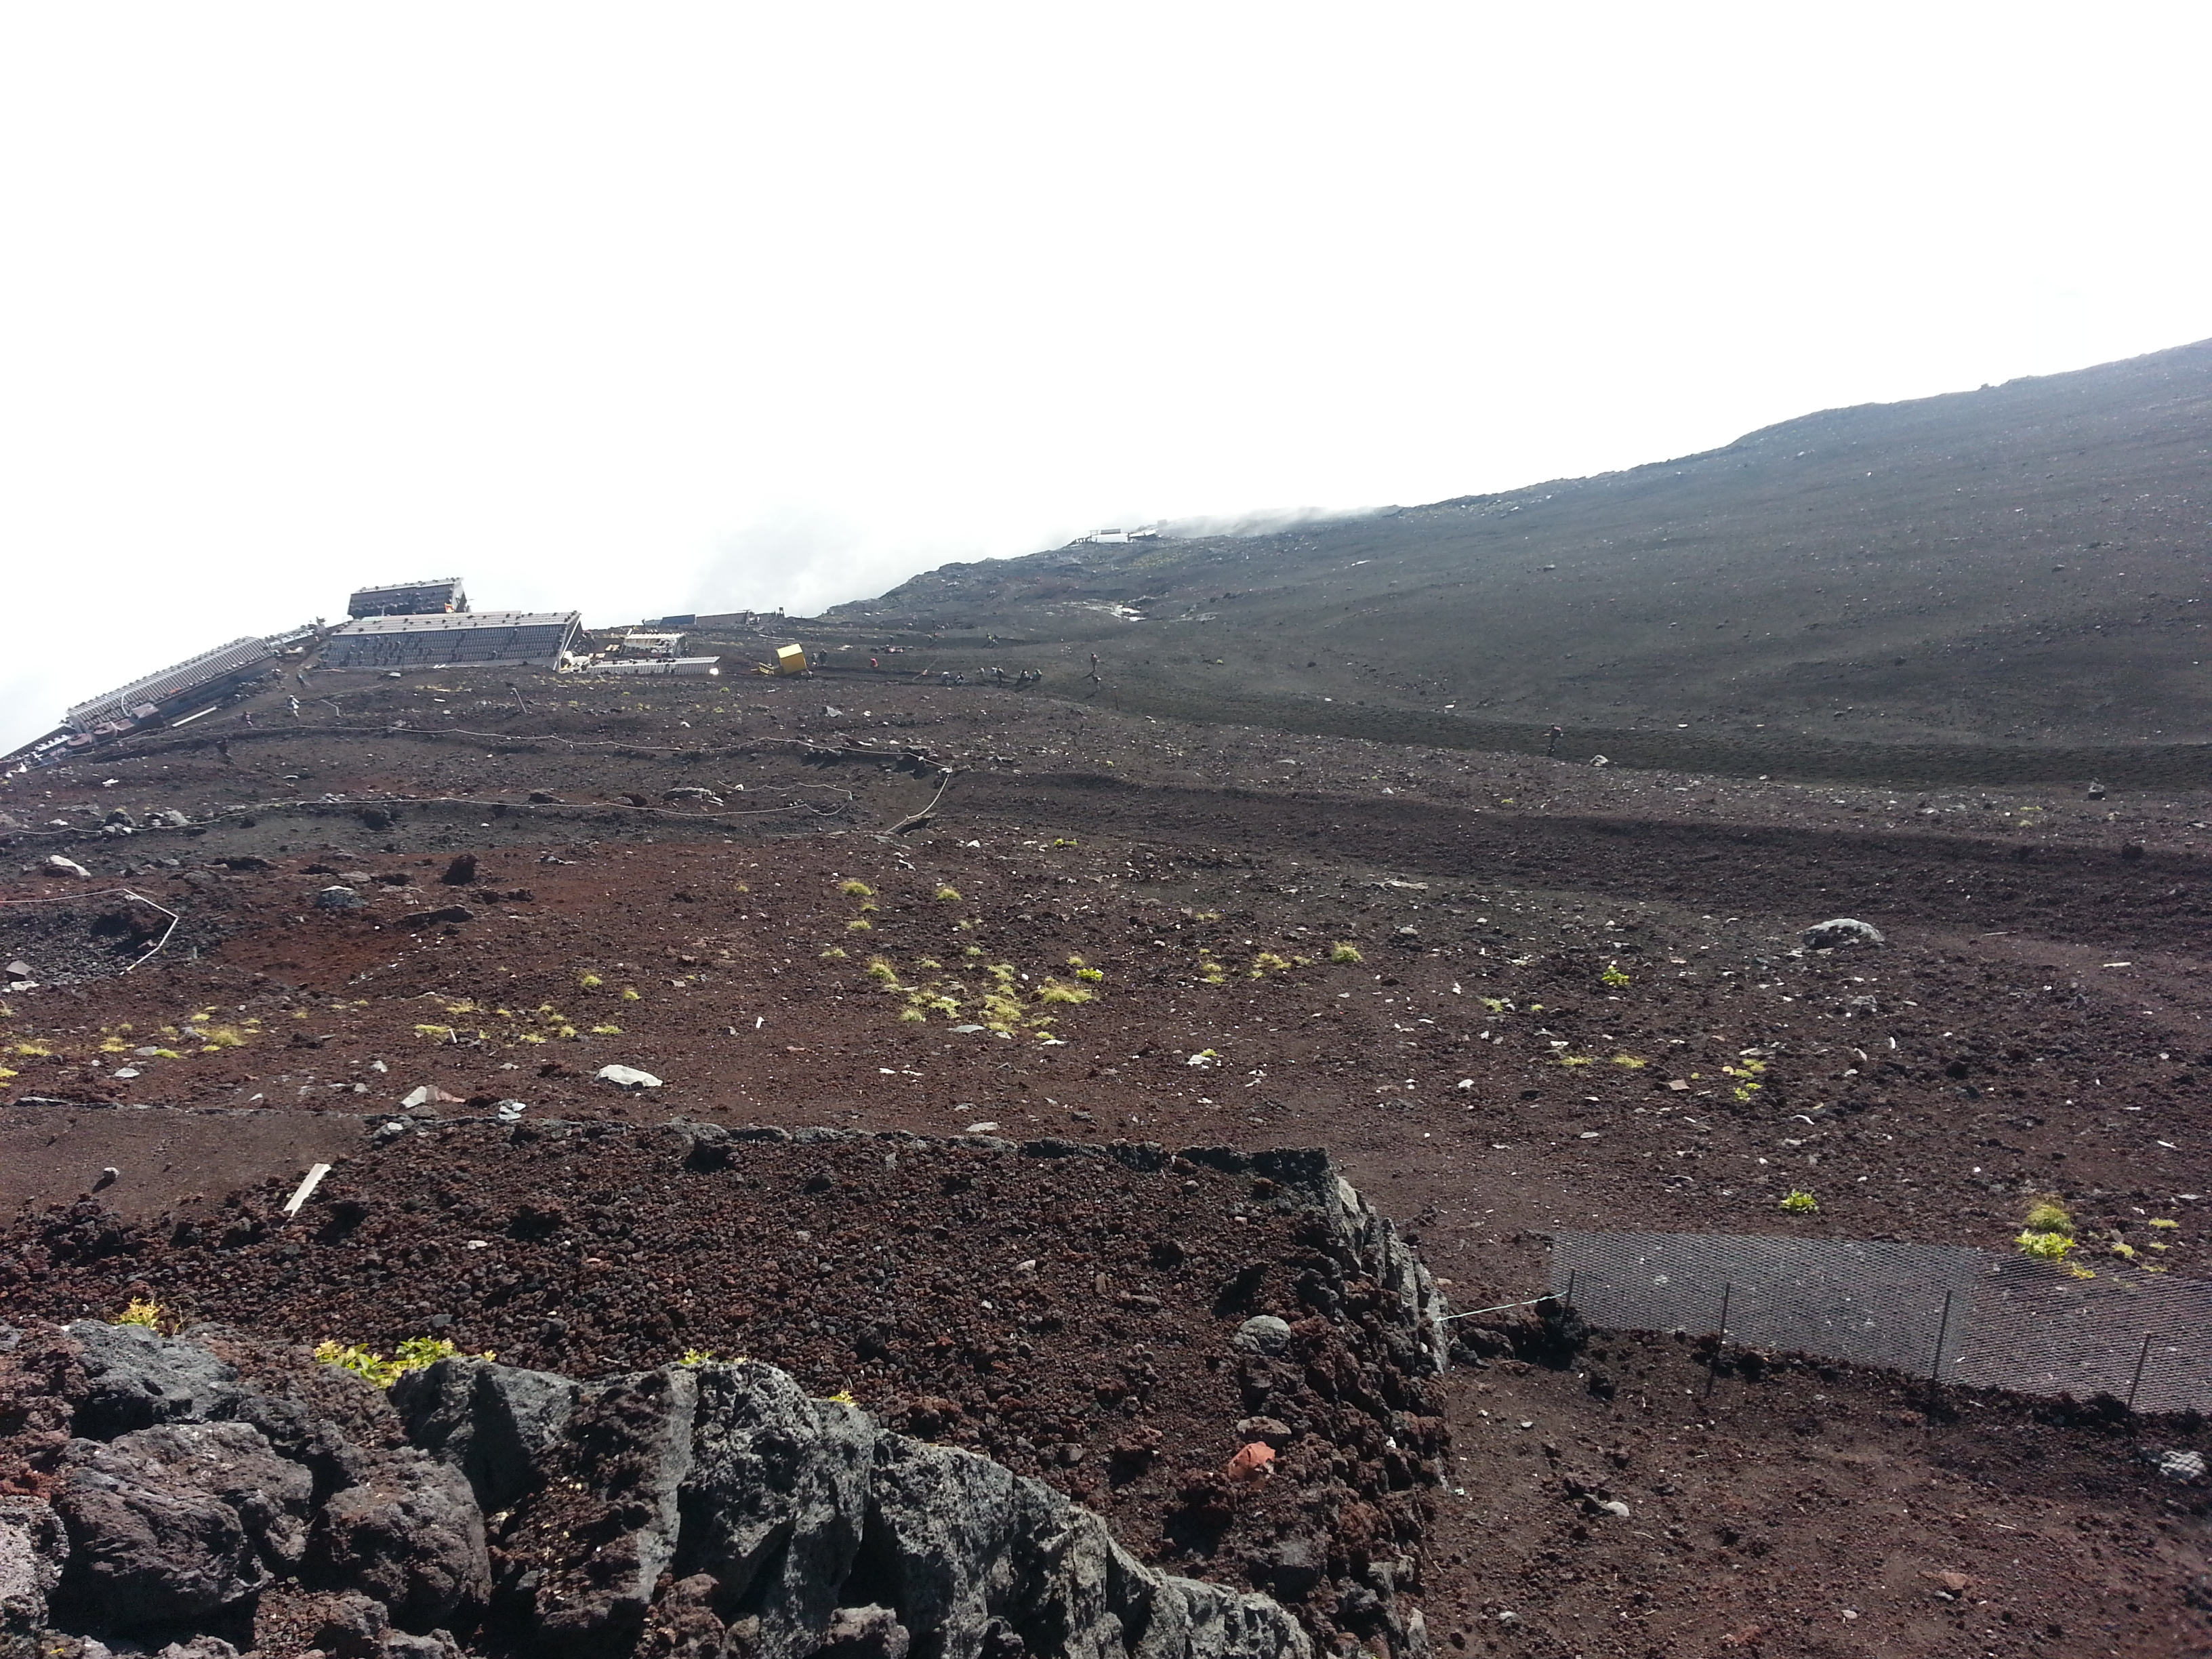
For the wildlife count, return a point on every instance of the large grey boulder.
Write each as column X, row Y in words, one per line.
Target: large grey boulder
column 496, row 1424
column 139, row 1377
column 776, row 1498
column 964, row 1541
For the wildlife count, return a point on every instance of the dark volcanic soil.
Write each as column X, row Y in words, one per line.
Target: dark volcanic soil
column 1801, row 1508
column 1608, row 959
column 1069, row 1313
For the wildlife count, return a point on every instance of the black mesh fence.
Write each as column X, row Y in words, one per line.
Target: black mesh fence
column 1966, row 1316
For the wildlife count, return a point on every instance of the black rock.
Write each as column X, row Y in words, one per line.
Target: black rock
column 139, row 1377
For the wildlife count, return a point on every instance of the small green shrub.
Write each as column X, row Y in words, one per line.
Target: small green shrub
column 1612, row 975
column 1343, row 950
column 1800, row 1202
column 2045, row 1246
column 359, row 1361
column 948, row 895
column 1746, row 1075
column 857, row 890
column 140, row 1311
column 416, row 1353
column 2048, row 1215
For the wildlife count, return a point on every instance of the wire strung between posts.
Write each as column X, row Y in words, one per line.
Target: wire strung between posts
column 1548, row 1296
column 107, row 892
column 123, row 749
column 355, row 803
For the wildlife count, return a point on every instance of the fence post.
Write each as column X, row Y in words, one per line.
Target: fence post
column 2138, row 1382
column 1713, row 1364
column 1568, row 1301
column 1936, row 1365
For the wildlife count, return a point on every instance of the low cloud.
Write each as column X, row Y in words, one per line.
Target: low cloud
column 1264, row 521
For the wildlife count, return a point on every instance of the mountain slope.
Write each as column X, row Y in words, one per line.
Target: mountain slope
column 2022, row 565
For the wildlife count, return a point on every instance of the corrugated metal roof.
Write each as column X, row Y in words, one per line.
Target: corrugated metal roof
column 207, row 666
column 458, row 621
column 467, row 636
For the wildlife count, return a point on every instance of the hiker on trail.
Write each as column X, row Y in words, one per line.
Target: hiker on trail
column 1552, row 741
column 1094, row 665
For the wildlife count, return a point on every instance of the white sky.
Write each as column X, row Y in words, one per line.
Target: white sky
column 647, row 309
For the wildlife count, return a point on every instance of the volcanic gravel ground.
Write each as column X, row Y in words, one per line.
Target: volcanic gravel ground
column 1918, row 1090
column 2036, row 1023
column 1797, row 1507
column 68, row 939
column 1068, row 1315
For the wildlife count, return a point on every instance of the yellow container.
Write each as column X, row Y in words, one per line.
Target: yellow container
column 790, row 659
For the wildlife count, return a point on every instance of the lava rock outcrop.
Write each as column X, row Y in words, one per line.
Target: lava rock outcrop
column 700, row 1509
